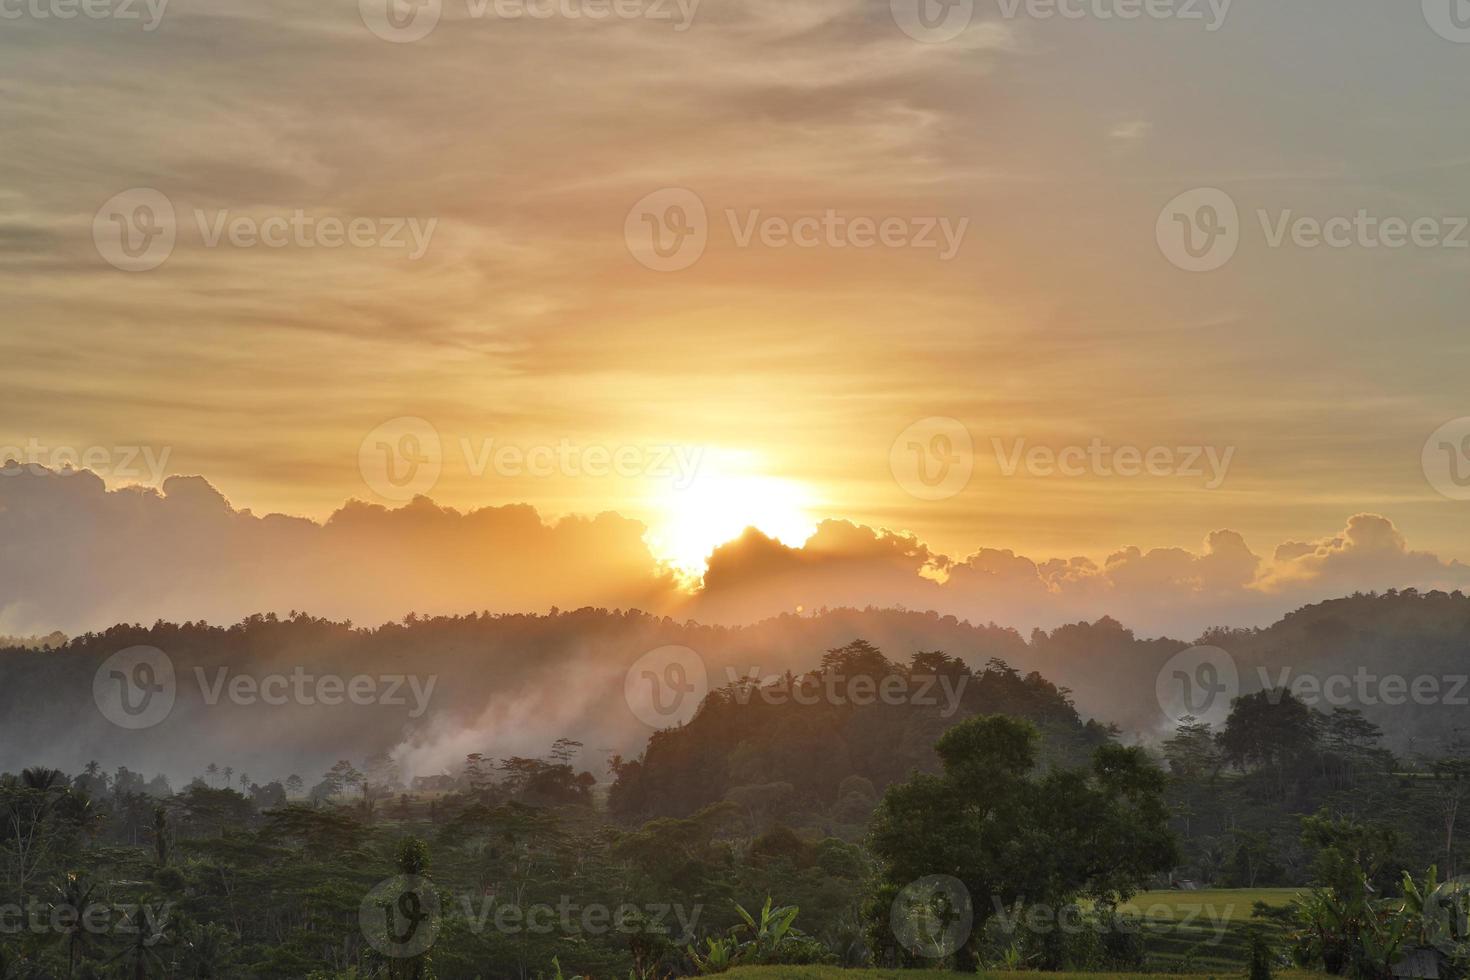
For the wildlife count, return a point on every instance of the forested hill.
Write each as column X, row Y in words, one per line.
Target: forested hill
column 503, row 685
column 831, row 741
column 511, row 684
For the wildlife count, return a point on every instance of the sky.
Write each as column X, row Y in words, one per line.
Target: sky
column 948, row 275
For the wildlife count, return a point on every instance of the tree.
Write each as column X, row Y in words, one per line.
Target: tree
column 1191, row 752
column 1351, row 854
column 340, row 778
column 1269, row 730
column 29, row 824
column 74, row 901
column 564, row 750
column 1008, row 835
column 161, row 835
column 413, row 865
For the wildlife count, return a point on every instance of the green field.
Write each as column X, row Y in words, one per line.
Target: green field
column 1204, row 931
column 1234, row 904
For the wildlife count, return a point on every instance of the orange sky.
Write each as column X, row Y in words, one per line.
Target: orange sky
column 1058, row 322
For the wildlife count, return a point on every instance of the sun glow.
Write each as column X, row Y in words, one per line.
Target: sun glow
column 717, row 506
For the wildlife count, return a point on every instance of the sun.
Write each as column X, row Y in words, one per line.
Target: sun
column 717, row 506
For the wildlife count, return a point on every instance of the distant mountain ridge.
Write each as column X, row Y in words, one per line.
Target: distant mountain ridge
column 511, row 684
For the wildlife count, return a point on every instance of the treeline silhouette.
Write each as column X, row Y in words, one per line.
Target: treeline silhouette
column 511, row 684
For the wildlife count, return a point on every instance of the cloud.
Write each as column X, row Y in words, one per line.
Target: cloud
column 82, row 557
column 1159, row 591
column 76, row 556
column 1369, row 554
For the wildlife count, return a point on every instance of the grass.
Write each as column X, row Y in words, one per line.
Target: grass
column 834, row 973
column 1229, row 904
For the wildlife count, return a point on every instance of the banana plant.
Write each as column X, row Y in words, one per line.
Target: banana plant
column 719, row 958
column 770, row 931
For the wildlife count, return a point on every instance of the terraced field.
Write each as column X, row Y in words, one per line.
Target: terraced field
column 1187, row 934
column 1204, row 931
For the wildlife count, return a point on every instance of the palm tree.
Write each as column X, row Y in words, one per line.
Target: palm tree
column 140, row 954
column 76, row 898
column 42, row 778
column 229, row 774
column 211, row 771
